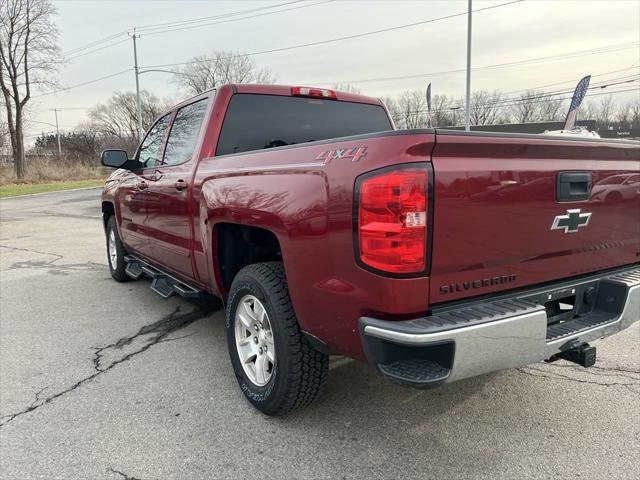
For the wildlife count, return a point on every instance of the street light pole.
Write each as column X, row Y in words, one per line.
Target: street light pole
column 135, row 68
column 55, row 110
column 467, row 124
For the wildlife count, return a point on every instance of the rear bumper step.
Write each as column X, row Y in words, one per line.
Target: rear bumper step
column 415, row 372
column 163, row 284
column 511, row 332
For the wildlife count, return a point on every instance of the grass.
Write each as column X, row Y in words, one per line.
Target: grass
column 16, row 190
column 50, row 175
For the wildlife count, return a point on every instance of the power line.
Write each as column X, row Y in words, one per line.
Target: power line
column 280, row 49
column 162, row 27
column 212, row 17
column 83, row 83
column 235, row 19
column 578, row 53
column 82, row 54
column 533, row 100
column 347, row 37
column 504, row 105
column 572, row 80
column 92, row 44
column 453, row 104
column 187, row 27
column 594, row 51
column 542, row 99
column 601, row 85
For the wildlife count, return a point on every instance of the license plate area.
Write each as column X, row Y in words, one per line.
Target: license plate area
column 568, row 303
column 580, row 307
column 560, row 310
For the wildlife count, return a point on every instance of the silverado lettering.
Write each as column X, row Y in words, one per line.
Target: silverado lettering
column 371, row 260
column 485, row 282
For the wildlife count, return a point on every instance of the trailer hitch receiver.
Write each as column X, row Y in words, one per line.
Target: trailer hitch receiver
column 576, row 352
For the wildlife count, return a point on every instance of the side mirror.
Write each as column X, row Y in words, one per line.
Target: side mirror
column 114, row 158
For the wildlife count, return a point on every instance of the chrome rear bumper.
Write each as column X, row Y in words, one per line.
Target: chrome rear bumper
column 489, row 336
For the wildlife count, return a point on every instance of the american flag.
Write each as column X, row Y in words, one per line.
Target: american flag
column 578, row 96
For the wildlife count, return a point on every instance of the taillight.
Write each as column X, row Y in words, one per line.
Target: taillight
column 313, row 92
column 392, row 220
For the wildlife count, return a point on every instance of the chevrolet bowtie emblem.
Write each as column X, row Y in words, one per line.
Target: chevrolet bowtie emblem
column 571, row 221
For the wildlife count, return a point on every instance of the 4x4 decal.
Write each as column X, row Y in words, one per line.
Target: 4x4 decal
column 352, row 153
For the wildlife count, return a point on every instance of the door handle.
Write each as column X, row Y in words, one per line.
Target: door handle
column 142, row 185
column 180, row 185
column 573, row 186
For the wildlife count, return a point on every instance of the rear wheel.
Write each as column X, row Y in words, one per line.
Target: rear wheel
column 115, row 252
column 276, row 367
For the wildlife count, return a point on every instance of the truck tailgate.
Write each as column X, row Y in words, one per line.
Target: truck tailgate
column 503, row 221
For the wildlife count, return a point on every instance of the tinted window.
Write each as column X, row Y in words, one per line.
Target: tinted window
column 254, row 122
column 148, row 151
column 184, row 133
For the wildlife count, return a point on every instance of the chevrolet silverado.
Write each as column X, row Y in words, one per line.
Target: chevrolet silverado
column 433, row 255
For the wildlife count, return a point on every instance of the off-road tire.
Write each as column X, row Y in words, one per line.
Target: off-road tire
column 300, row 371
column 117, row 272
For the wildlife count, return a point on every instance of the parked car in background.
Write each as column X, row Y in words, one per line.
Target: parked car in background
column 617, row 188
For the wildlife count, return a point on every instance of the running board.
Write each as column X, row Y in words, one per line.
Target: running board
column 163, row 284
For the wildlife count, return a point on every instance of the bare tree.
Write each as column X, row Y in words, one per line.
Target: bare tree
column 393, row 109
column 551, row 109
column 605, row 111
column 4, row 135
column 346, row 87
column 441, row 111
column 635, row 114
column 28, row 55
column 117, row 118
column 81, row 146
column 626, row 116
column 412, row 110
column 526, row 108
column 210, row 71
column 485, row 107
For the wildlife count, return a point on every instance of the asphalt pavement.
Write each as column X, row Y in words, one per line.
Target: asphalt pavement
column 101, row 380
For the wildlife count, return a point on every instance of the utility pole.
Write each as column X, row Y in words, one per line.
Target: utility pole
column 135, row 68
column 55, row 110
column 467, row 124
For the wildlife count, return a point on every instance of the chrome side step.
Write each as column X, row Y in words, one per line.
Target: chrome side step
column 163, row 284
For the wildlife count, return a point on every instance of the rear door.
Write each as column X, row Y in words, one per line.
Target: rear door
column 503, row 218
column 168, row 200
column 133, row 190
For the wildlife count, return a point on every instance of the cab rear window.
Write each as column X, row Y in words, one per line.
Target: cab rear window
column 256, row 122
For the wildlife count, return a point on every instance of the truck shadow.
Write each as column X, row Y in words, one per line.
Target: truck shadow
column 355, row 390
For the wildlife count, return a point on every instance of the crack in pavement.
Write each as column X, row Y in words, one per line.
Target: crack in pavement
column 64, row 269
column 70, row 215
column 155, row 332
column 123, row 475
column 529, row 370
column 610, row 371
column 28, row 250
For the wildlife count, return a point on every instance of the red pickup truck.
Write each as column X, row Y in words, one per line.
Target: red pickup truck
column 433, row 255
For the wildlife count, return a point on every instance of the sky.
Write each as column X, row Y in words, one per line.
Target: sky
column 573, row 32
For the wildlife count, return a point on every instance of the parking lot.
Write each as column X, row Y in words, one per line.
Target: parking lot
column 107, row 380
